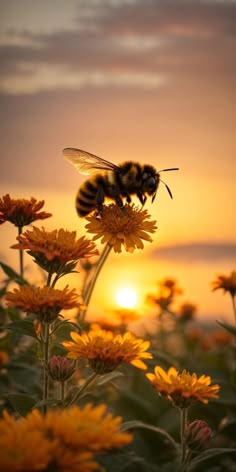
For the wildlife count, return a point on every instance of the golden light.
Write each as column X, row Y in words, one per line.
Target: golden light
column 126, row 298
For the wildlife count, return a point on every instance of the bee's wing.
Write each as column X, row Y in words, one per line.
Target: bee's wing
column 87, row 163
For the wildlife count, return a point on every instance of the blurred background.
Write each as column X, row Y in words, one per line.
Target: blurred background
column 150, row 81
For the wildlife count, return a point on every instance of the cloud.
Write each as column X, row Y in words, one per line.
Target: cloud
column 122, row 43
column 203, row 252
column 48, row 78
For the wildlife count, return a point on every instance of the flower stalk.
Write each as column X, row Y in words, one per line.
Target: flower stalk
column 88, row 290
column 234, row 307
column 62, row 390
column 183, row 423
column 45, row 340
column 21, row 255
column 84, row 387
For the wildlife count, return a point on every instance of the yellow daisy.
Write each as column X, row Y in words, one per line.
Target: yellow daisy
column 126, row 227
column 106, row 351
column 17, row 443
column 62, row 440
column 183, row 388
column 20, row 211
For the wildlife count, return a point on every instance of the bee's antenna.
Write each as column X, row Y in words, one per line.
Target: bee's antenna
column 165, row 170
column 167, row 188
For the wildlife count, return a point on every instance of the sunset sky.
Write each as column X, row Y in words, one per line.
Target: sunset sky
column 152, row 81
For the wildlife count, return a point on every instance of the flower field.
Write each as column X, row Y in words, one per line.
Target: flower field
column 96, row 396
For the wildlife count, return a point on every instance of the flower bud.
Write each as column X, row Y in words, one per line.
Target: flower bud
column 60, row 368
column 197, row 435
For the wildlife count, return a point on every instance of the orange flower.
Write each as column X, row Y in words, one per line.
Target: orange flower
column 46, row 302
column 226, row 283
column 168, row 289
column 4, row 357
column 89, row 428
column 221, row 337
column 187, row 311
column 119, row 227
column 106, row 351
column 17, row 443
column 53, row 249
column 20, row 211
column 182, row 388
column 194, row 333
column 62, row 440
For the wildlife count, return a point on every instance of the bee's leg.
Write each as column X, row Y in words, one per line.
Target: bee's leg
column 128, row 198
column 142, row 198
column 119, row 201
column 100, row 197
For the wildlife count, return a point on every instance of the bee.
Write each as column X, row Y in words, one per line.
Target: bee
column 117, row 182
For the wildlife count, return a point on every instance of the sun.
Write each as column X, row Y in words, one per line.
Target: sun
column 126, row 298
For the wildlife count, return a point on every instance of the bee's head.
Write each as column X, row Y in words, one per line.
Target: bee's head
column 150, row 180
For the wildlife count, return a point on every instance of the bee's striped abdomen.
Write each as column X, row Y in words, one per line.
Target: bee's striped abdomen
column 86, row 197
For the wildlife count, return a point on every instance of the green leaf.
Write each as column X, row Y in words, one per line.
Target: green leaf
column 233, row 379
column 103, row 379
column 126, row 461
column 23, row 326
column 228, row 327
column 66, row 324
column 21, row 402
column 51, row 402
column 71, row 395
column 227, row 427
column 209, row 454
column 140, row 424
column 25, row 378
column 11, row 274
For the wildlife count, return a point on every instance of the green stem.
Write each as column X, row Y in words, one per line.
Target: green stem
column 62, row 390
column 85, row 385
column 89, row 290
column 49, row 279
column 21, row 255
column 234, row 307
column 183, row 422
column 45, row 338
column 54, row 281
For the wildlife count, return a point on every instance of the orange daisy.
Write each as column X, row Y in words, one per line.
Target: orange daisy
column 20, row 211
column 46, row 302
column 63, row 440
column 52, row 250
column 127, row 227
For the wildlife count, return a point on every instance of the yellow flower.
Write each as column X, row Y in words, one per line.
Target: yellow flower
column 53, row 249
column 62, row 440
column 106, row 351
column 122, row 227
column 227, row 283
column 183, row 388
column 90, row 428
column 45, row 302
column 17, row 443
column 20, row 211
